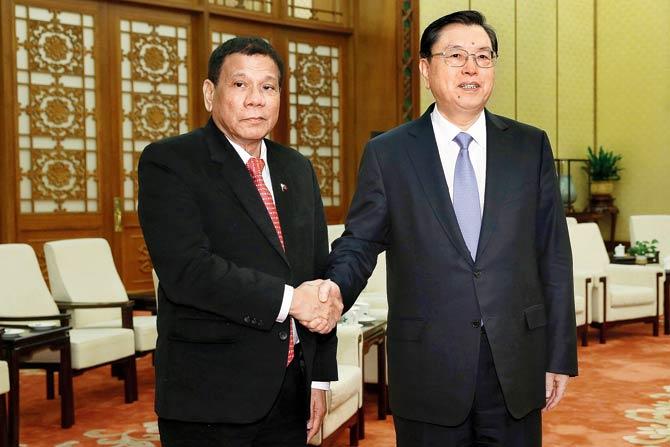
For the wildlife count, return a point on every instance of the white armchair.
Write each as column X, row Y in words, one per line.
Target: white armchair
column 621, row 293
column 345, row 398
column 583, row 312
column 83, row 270
column 24, row 297
column 4, row 389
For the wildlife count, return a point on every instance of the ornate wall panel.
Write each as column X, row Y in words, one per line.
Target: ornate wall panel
column 315, row 127
column 57, row 131
column 264, row 6
column 219, row 37
column 320, row 10
column 154, row 92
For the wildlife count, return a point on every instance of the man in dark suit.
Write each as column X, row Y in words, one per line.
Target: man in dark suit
column 481, row 324
column 232, row 222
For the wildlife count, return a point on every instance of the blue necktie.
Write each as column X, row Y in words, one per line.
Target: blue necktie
column 466, row 195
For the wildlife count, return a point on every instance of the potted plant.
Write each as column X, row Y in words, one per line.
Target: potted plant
column 602, row 167
column 644, row 251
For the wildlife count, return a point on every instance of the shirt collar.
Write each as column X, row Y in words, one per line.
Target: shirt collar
column 245, row 156
column 449, row 130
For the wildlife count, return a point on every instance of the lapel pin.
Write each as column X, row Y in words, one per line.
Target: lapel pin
column 284, row 188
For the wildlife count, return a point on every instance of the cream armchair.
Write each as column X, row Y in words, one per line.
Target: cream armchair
column 4, row 389
column 24, row 297
column 83, row 270
column 344, row 401
column 621, row 293
column 583, row 310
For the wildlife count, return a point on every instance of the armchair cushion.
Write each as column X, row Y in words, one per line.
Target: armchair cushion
column 144, row 327
column 348, row 385
column 626, row 296
column 91, row 347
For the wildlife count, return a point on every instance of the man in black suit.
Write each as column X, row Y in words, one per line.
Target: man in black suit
column 232, row 222
column 481, row 324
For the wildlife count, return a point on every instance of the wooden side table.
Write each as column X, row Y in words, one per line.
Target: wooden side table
column 13, row 348
column 375, row 334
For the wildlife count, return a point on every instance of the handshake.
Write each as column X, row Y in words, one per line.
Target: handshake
column 317, row 305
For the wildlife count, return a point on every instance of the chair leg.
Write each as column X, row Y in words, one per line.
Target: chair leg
column 353, row 434
column 655, row 327
column 130, row 380
column 585, row 335
column 3, row 420
column 117, row 371
column 603, row 333
column 50, row 384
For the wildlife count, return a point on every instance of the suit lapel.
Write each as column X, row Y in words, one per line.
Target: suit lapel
column 234, row 176
column 426, row 161
column 499, row 166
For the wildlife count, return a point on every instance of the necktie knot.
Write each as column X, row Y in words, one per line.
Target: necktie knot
column 463, row 140
column 255, row 166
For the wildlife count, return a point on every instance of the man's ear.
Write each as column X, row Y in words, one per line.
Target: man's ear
column 208, row 88
column 424, row 68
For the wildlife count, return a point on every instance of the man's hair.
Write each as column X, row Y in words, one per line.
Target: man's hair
column 432, row 33
column 248, row 46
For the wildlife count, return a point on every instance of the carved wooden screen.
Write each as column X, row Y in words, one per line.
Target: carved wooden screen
column 155, row 92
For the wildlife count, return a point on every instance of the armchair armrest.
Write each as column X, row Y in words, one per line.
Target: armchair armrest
column 349, row 345
column 633, row 275
column 15, row 321
column 126, row 309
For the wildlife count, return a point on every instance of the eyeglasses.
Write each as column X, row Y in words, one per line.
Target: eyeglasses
column 454, row 57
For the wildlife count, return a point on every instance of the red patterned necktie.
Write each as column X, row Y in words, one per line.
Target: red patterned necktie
column 255, row 167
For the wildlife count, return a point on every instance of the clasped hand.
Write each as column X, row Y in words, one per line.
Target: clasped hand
column 317, row 305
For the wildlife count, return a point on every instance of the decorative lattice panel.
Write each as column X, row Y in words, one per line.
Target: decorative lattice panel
column 315, row 128
column 321, row 10
column 55, row 73
column 218, row 38
column 264, row 6
column 154, row 92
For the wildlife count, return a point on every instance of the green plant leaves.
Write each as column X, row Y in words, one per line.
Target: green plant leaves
column 602, row 165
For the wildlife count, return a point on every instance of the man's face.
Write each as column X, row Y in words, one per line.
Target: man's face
column 245, row 102
column 459, row 91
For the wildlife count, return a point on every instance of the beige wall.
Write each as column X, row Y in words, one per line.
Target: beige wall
column 563, row 67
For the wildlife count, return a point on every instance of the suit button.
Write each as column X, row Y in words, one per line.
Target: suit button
column 476, row 324
column 477, row 273
column 283, row 335
column 246, row 319
column 253, row 321
column 260, row 322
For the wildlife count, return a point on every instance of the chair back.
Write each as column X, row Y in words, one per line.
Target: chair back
column 83, row 270
column 588, row 248
column 571, row 220
column 23, row 291
column 647, row 228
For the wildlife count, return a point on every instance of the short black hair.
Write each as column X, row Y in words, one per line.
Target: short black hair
column 244, row 45
column 432, row 33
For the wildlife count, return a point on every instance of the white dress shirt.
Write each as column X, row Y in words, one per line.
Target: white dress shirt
column 448, row 149
column 288, row 290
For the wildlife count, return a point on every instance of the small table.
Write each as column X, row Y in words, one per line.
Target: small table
column 13, row 348
column 374, row 333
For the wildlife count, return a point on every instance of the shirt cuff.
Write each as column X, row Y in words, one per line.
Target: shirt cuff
column 321, row 386
column 285, row 304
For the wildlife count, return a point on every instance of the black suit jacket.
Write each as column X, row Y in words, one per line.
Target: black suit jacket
column 520, row 284
column 220, row 355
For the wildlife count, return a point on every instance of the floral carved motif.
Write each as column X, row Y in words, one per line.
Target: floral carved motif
column 314, row 74
column 56, row 111
column 143, row 259
column 154, row 116
column 54, row 47
column 323, row 166
column 58, row 175
column 315, row 125
column 154, row 58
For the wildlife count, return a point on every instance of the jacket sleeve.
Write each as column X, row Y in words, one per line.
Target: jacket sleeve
column 354, row 255
column 190, row 273
column 555, row 268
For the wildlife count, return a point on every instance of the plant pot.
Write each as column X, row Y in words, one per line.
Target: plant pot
column 602, row 187
column 641, row 259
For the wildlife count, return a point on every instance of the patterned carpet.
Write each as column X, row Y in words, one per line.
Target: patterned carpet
column 621, row 398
